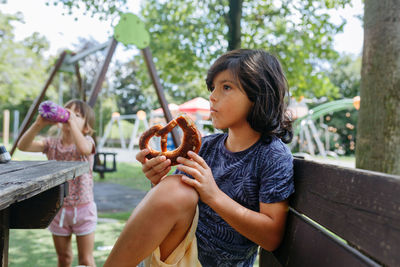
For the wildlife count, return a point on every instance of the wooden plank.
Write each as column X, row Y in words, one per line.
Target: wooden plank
column 37, row 212
column 362, row 207
column 27, row 182
column 13, row 166
column 306, row 245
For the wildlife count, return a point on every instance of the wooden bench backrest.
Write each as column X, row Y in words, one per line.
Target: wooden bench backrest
column 361, row 207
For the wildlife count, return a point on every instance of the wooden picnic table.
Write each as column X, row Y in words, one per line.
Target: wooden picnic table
column 31, row 193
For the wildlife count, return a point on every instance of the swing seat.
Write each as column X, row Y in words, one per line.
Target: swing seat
column 100, row 163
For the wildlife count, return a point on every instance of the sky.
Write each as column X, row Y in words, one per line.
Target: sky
column 64, row 31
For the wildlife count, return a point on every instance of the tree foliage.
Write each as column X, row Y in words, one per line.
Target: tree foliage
column 23, row 68
column 103, row 9
column 187, row 36
column 128, row 90
column 346, row 75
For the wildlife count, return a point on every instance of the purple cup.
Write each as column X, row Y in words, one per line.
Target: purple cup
column 53, row 112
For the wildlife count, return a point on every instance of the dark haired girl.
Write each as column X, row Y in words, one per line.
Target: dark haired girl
column 236, row 197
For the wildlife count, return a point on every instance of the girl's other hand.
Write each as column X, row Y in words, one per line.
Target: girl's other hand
column 42, row 122
column 72, row 116
column 154, row 169
column 203, row 181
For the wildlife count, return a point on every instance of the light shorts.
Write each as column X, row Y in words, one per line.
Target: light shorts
column 185, row 253
column 79, row 220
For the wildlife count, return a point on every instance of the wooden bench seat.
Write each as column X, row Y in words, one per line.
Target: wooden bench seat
column 340, row 217
column 101, row 165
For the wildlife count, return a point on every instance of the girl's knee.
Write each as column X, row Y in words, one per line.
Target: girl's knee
column 65, row 258
column 175, row 195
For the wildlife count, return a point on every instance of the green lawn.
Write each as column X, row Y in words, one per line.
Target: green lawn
column 127, row 174
column 34, row 248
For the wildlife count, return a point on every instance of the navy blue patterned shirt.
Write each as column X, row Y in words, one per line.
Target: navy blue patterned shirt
column 261, row 173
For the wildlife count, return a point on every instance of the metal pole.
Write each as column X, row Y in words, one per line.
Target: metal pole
column 160, row 92
column 102, row 73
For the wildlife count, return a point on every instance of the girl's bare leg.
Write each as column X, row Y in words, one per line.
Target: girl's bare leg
column 161, row 219
column 64, row 250
column 85, row 249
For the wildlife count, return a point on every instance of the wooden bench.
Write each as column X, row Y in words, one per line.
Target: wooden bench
column 340, row 217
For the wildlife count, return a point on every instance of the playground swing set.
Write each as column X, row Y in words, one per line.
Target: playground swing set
column 306, row 135
column 335, row 218
column 130, row 30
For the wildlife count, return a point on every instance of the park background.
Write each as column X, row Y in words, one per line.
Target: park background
column 318, row 42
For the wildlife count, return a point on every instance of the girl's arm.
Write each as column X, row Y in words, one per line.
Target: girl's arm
column 27, row 142
column 265, row 228
column 84, row 146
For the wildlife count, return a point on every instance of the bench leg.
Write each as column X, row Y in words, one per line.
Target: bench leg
column 4, row 236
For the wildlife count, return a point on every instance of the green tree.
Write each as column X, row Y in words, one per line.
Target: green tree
column 346, row 76
column 128, row 90
column 186, row 36
column 23, row 68
column 378, row 139
column 103, row 9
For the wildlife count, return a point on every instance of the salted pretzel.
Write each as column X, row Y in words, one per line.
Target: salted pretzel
column 191, row 140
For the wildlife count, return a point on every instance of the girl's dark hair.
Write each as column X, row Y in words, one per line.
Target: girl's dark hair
column 261, row 77
column 85, row 110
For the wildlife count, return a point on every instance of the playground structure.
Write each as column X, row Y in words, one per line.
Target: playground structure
column 130, row 30
column 198, row 109
column 306, row 135
column 140, row 117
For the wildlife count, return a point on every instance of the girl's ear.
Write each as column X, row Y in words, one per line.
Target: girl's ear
column 86, row 130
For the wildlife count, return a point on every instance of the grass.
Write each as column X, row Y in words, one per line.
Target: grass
column 127, row 174
column 34, row 247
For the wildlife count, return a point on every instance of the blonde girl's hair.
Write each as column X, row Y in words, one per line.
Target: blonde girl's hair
column 86, row 111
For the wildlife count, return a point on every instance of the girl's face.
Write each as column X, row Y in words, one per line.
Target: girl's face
column 229, row 104
column 77, row 117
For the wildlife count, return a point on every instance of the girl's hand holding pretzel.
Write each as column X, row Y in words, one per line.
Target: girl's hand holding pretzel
column 203, row 181
column 154, row 169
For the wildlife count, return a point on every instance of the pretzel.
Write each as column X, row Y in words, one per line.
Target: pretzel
column 191, row 140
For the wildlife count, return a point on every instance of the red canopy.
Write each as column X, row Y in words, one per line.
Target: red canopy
column 172, row 107
column 197, row 104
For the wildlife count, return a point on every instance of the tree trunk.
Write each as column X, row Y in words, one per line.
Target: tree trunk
column 378, row 133
column 234, row 18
